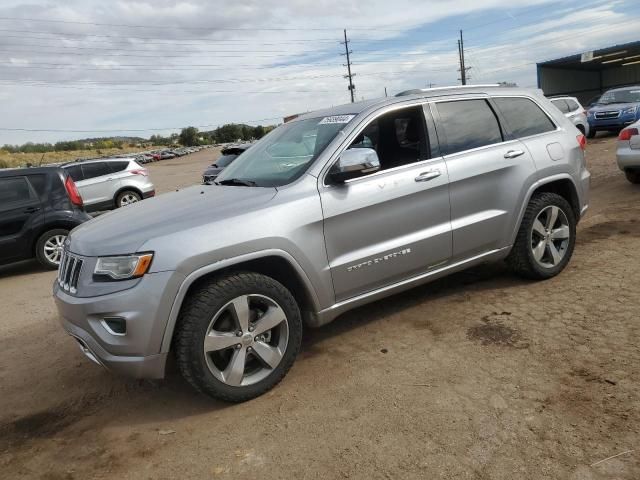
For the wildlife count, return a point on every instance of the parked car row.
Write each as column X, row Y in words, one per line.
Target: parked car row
column 165, row 154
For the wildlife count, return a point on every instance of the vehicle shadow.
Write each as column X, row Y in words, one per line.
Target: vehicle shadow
column 26, row 267
column 494, row 276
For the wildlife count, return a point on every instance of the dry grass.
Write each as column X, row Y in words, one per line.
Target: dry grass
column 8, row 160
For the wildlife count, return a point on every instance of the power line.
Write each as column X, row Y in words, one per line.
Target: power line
column 209, row 29
column 55, row 130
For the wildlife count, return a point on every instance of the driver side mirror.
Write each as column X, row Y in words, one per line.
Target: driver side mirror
column 354, row 163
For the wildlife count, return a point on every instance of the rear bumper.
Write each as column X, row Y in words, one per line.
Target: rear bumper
column 149, row 194
column 628, row 158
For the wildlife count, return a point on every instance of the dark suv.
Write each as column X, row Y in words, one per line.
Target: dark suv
column 38, row 207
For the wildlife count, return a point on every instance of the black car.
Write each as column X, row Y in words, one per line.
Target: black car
column 229, row 154
column 38, row 208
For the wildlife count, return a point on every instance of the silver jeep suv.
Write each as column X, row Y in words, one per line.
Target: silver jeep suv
column 330, row 211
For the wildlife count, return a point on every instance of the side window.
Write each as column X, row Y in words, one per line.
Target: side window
column 562, row 105
column 398, row 137
column 39, row 183
column 573, row 105
column 524, row 117
column 14, row 191
column 468, row 124
column 117, row 166
column 96, row 169
column 75, row 173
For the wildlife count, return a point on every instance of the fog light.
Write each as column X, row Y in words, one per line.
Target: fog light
column 115, row 325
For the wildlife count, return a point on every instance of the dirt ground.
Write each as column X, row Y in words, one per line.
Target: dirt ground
column 477, row 376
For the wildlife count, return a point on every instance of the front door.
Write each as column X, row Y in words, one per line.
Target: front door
column 392, row 224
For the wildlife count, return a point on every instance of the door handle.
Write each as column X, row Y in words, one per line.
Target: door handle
column 426, row 176
column 31, row 209
column 513, row 153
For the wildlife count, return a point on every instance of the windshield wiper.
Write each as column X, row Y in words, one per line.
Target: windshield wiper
column 237, row 181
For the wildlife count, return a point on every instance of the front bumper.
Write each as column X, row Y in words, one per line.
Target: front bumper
column 145, row 309
column 611, row 123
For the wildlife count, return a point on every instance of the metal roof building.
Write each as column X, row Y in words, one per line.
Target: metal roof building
column 588, row 74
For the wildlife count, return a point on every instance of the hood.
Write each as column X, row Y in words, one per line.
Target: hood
column 126, row 229
column 611, row 107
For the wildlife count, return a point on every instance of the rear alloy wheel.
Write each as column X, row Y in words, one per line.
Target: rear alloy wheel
column 127, row 198
column 238, row 336
column 546, row 238
column 633, row 176
column 49, row 247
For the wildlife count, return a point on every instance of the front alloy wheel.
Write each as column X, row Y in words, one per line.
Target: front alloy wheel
column 237, row 335
column 246, row 340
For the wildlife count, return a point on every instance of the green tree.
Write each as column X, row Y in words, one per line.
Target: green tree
column 258, row 132
column 189, row 136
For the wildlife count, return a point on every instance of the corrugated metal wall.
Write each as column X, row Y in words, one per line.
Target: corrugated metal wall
column 585, row 84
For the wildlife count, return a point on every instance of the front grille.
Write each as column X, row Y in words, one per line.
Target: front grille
column 607, row 115
column 69, row 272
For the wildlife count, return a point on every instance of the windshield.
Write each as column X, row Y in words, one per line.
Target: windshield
column 620, row 96
column 284, row 154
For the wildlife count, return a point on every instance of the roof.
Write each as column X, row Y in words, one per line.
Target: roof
column 93, row 160
column 27, row 170
column 597, row 60
column 358, row 107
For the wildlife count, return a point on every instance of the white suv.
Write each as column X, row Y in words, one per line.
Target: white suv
column 110, row 182
column 574, row 111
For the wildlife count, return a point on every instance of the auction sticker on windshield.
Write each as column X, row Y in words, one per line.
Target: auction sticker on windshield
column 336, row 119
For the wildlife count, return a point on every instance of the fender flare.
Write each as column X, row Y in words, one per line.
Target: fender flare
column 225, row 263
column 536, row 185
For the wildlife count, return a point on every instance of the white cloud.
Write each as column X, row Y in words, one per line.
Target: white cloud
column 200, row 62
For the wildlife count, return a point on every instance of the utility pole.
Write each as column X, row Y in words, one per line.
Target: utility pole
column 349, row 75
column 385, row 91
column 463, row 68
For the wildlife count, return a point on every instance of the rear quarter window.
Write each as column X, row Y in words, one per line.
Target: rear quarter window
column 524, row 117
column 573, row 105
column 562, row 105
column 75, row 172
column 468, row 124
column 118, row 166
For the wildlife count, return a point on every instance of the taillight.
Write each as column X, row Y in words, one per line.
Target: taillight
column 140, row 171
column 627, row 133
column 582, row 141
column 72, row 191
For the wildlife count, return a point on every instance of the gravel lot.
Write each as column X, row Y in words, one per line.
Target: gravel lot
column 477, row 376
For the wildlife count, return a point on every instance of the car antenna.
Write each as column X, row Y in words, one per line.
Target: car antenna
column 41, row 160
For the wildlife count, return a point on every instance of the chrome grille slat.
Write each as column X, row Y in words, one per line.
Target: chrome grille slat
column 607, row 115
column 69, row 272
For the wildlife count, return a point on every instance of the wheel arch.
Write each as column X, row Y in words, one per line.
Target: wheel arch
column 45, row 228
column 126, row 188
column 277, row 264
column 562, row 185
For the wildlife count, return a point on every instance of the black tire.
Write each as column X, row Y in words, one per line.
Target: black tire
column 581, row 128
column 592, row 133
column 41, row 254
column 193, row 322
column 521, row 258
column 122, row 196
column 633, row 176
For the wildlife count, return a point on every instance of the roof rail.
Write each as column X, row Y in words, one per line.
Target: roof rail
column 417, row 91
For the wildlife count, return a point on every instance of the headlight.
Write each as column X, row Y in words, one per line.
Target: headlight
column 124, row 267
column 629, row 111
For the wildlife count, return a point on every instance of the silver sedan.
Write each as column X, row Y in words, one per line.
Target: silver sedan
column 628, row 152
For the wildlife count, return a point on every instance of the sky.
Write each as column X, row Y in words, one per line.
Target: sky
column 89, row 68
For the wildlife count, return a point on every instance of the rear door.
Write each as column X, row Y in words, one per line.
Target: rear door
column 96, row 185
column 20, row 218
column 487, row 171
